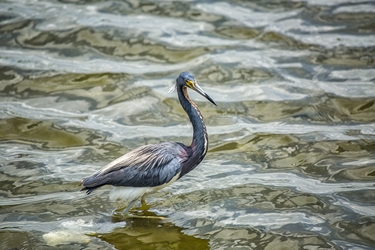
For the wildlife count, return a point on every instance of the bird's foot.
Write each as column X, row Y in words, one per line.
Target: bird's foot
column 135, row 213
column 151, row 217
column 144, row 207
column 123, row 210
column 143, row 212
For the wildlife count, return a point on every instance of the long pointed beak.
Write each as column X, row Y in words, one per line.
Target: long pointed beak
column 198, row 89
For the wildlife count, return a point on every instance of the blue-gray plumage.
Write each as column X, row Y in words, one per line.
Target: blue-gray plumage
column 151, row 167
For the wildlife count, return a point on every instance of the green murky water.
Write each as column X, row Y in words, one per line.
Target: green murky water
column 292, row 141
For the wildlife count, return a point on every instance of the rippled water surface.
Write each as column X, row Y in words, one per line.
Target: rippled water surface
column 292, row 140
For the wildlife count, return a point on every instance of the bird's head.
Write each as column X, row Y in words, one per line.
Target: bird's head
column 188, row 80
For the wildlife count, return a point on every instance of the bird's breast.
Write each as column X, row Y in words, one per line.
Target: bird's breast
column 119, row 193
column 128, row 193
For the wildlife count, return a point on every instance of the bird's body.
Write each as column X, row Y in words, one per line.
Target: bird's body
column 151, row 167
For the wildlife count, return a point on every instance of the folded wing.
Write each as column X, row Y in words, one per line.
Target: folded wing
column 147, row 166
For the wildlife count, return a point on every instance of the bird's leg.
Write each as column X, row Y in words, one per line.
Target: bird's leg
column 131, row 204
column 124, row 210
column 143, row 200
column 144, row 206
column 144, row 213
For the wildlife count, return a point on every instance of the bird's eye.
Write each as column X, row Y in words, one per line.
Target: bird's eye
column 189, row 83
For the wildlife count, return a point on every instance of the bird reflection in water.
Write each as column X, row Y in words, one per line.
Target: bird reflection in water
column 150, row 168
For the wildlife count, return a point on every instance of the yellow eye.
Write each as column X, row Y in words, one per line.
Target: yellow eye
column 189, row 83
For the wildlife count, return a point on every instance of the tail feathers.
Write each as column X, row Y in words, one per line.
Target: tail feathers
column 89, row 185
column 88, row 189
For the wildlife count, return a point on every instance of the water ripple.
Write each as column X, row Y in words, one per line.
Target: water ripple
column 291, row 156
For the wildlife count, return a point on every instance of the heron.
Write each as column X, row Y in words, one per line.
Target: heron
column 152, row 167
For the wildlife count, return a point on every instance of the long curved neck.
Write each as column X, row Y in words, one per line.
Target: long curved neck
column 199, row 144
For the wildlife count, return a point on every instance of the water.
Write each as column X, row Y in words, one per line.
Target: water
column 292, row 141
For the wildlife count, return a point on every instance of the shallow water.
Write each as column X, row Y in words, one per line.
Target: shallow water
column 292, row 141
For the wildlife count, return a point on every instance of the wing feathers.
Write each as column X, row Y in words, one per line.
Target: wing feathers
column 146, row 166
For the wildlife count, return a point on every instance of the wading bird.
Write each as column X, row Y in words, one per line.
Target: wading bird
column 151, row 167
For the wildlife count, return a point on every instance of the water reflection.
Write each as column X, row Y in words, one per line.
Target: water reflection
column 290, row 163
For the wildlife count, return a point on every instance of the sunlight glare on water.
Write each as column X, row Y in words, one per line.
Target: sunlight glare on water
column 290, row 163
